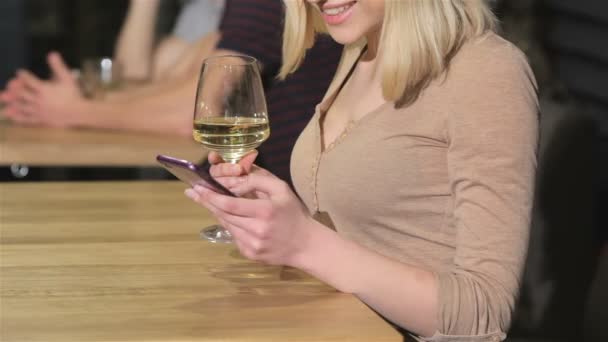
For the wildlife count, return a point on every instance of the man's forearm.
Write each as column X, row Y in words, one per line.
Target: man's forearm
column 164, row 109
column 169, row 112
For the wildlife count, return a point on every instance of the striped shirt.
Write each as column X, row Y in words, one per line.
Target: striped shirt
column 255, row 27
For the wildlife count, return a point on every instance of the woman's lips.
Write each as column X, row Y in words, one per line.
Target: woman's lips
column 336, row 15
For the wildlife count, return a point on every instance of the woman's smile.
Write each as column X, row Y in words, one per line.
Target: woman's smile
column 337, row 13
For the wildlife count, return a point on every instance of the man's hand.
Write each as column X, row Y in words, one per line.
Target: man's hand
column 56, row 103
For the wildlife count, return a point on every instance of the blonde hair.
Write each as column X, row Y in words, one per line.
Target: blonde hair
column 418, row 39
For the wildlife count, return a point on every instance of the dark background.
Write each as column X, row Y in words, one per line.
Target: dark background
column 29, row 29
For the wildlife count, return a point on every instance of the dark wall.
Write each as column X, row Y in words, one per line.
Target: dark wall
column 76, row 28
column 12, row 38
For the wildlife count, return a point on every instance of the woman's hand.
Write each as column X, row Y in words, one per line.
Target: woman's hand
column 223, row 172
column 272, row 227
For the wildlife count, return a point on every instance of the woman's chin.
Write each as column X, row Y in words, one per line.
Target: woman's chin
column 344, row 36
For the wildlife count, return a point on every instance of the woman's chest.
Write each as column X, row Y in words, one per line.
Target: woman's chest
column 359, row 97
column 396, row 158
column 380, row 166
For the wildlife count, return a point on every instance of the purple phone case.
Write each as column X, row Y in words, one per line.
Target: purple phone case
column 192, row 174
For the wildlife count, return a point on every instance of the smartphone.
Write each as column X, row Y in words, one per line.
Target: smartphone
column 192, row 174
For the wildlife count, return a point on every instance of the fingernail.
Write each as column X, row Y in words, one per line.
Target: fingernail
column 191, row 194
column 199, row 188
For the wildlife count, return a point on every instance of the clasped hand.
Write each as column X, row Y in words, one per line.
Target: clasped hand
column 30, row 100
column 267, row 221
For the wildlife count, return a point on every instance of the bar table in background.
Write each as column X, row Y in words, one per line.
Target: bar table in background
column 44, row 146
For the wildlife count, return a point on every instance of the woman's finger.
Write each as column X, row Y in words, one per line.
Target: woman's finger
column 247, row 161
column 191, row 194
column 244, row 165
column 243, row 240
column 241, row 229
column 230, row 178
column 230, row 182
column 214, row 158
column 231, row 205
column 226, row 170
column 247, row 224
column 198, row 198
column 261, row 181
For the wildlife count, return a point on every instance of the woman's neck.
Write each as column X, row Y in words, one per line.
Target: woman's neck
column 373, row 42
column 368, row 64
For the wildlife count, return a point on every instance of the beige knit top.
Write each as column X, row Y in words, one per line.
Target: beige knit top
column 444, row 184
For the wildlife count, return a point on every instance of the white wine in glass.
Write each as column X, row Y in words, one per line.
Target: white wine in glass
column 231, row 137
column 230, row 115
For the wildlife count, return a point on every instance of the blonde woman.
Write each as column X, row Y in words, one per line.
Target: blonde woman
column 421, row 159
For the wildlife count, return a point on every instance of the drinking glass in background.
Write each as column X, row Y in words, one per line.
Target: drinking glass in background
column 230, row 115
column 100, row 75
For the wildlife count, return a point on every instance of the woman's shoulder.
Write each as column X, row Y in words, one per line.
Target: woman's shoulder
column 490, row 55
column 491, row 46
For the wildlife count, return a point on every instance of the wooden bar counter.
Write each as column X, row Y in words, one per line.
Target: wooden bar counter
column 121, row 261
column 45, row 146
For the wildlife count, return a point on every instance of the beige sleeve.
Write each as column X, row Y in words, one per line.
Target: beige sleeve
column 492, row 131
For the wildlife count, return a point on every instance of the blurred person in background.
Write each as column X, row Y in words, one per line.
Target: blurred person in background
column 168, row 66
column 251, row 27
column 143, row 58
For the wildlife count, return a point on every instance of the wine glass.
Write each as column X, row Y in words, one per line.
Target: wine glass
column 230, row 115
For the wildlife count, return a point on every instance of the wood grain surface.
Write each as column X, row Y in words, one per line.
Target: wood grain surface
column 121, row 261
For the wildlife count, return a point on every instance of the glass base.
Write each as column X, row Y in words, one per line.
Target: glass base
column 216, row 234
